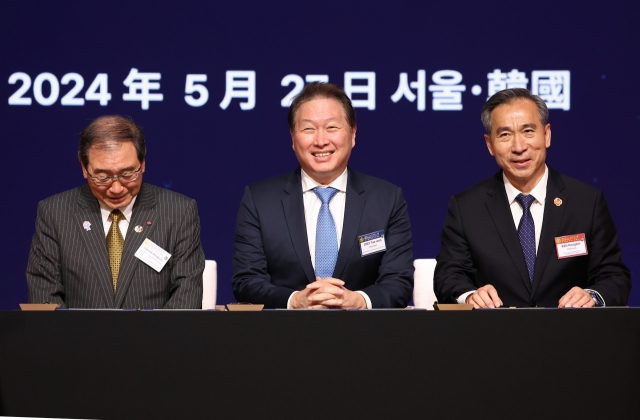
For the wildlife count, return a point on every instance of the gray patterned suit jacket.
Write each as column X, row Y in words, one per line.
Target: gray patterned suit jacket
column 69, row 265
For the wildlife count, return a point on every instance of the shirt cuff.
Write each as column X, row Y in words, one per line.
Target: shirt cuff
column 289, row 300
column 463, row 297
column 595, row 300
column 366, row 299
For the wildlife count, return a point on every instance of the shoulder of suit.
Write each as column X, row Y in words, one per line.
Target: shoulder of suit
column 489, row 186
column 163, row 194
column 164, row 199
column 574, row 185
column 276, row 183
column 65, row 197
column 481, row 189
column 371, row 182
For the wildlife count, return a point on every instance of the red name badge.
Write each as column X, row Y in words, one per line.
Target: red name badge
column 571, row 246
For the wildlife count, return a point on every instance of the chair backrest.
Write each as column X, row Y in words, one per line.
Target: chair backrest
column 209, row 284
column 423, row 294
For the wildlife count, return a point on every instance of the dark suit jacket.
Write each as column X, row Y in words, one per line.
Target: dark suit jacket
column 70, row 265
column 480, row 246
column 271, row 256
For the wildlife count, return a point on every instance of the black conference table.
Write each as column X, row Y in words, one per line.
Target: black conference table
column 499, row 364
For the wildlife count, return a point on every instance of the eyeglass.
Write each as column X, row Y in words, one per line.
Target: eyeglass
column 123, row 178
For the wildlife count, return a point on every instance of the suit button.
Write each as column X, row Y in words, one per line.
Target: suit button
column 534, row 304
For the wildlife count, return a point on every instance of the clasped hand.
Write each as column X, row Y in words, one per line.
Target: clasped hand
column 327, row 293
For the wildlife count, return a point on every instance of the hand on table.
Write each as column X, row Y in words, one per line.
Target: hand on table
column 576, row 298
column 484, row 297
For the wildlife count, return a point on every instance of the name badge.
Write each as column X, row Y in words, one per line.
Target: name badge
column 372, row 242
column 152, row 255
column 571, row 245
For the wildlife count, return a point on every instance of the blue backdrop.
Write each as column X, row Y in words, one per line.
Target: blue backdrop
column 65, row 63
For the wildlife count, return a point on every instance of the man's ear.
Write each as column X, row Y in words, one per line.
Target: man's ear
column 487, row 139
column 84, row 170
column 353, row 136
column 547, row 135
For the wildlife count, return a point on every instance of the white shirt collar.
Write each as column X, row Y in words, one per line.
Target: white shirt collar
column 539, row 191
column 126, row 211
column 308, row 183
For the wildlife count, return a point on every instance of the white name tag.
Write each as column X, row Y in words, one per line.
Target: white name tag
column 571, row 245
column 372, row 242
column 152, row 255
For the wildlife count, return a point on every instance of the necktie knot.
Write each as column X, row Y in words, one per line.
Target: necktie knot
column 325, row 194
column 116, row 216
column 525, row 201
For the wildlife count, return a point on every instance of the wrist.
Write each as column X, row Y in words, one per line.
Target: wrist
column 299, row 300
column 468, row 298
column 596, row 297
column 354, row 300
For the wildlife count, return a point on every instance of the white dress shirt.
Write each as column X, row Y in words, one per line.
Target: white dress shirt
column 123, row 223
column 312, row 204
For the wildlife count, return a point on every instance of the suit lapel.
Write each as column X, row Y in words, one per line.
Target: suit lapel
column 500, row 212
column 293, row 207
column 95, row 242
column 354, row 206
column 551, row 222
column 143, row 210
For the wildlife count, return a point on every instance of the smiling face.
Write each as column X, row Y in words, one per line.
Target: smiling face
column 519, row 142
column 114, row 161
column 322, row 139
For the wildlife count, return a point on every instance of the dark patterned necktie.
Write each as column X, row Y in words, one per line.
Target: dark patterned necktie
column 527, row 233
column 326, row 237
column 115, row 244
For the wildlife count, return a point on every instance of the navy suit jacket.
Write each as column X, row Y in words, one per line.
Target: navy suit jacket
column 480, row 246
column 69, row 265
column 271, row 256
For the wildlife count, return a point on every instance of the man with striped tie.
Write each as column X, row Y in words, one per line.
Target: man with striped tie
column 324, row 235
column 116, row 242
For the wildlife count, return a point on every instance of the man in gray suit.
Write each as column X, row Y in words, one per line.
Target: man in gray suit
column 151, row 257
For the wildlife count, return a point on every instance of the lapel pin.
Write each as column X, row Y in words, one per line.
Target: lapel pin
column 86, row 225
column 148, row 222
column 138, row 229
column 557, row 202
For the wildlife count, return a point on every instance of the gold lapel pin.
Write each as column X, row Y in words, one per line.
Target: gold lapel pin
column 557, row 202
column 138, row 229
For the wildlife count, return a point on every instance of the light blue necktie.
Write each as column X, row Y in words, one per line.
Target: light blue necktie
column 527, row 233
column 326, row 237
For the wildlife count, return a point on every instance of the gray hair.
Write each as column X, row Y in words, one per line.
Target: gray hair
column 509, row 96
column 108, row 132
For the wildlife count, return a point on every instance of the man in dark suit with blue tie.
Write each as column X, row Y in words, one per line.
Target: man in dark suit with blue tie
column 324, row 235
column 528, row 236
column 116, row 242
